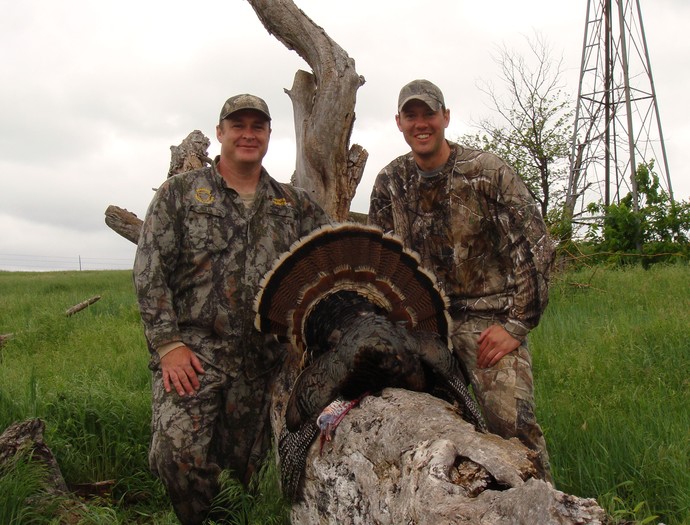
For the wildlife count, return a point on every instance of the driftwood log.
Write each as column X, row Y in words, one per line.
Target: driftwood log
column 407, row 457
column 123, row 222
column 25, row 440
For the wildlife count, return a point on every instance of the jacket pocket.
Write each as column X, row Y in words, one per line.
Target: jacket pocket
column 207, row 230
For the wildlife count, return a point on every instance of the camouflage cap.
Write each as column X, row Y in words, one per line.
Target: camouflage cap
column 244, row 101
column 422, row 90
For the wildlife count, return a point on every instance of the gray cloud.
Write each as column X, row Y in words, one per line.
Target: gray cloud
column 95, row 93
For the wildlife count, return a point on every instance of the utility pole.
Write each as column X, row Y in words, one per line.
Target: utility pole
column 617, row 122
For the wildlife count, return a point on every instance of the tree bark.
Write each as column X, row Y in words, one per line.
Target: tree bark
column 123, row 222
column 323, row 103
column 191, row 154
column 26, row 437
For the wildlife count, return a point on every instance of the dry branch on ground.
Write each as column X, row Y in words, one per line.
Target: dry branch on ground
column 82, row 305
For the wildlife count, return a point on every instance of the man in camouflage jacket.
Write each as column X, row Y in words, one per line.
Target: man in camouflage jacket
column 208, row 238
column 477, row 228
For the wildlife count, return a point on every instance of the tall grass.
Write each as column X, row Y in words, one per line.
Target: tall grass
column 86, row 376
column 612, row 373
column 20, row 480
column 612, row 370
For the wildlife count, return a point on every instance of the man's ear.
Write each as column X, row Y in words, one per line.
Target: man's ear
column 397, row 121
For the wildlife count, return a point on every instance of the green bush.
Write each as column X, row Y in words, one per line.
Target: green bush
column 657, row 231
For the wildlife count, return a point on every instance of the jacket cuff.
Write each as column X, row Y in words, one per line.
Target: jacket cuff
column 517, row 329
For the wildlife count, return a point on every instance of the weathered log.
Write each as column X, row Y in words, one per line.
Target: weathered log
column 26, row 437
column 408, row 457
column 80, row 306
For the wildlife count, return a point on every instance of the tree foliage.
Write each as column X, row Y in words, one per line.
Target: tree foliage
column 660, row 227
column 535, row 122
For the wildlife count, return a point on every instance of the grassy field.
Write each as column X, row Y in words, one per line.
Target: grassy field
column 612, row 372
column 612, row 368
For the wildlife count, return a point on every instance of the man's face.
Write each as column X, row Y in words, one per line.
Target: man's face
column 244, row 136
column 423, row 128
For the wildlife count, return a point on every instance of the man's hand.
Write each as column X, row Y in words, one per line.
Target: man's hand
column 494, row 343
column 180, row 368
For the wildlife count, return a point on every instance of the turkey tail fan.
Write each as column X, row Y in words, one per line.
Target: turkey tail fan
column 349, row 257
column 279, row 288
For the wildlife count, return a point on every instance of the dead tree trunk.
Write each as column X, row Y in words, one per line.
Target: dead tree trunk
column 324, row 104
column 408, row 457
column 27, row 438
column 123, row 222
column 191, row 154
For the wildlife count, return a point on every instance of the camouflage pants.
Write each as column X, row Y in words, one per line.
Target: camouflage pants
column 505, row 392
column 225, row 426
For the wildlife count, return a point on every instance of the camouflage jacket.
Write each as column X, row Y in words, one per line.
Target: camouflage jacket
column 201, row 256
column 477, row 228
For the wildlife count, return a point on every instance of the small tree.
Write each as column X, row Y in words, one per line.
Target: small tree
column 536, row 114
column 660, row 227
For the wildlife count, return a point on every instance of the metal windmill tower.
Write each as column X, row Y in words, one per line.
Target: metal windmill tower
column 617, row 123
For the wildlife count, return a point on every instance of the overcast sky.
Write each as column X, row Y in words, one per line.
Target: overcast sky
column 95, row 93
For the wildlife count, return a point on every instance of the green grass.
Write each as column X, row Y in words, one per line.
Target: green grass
column 612, row 374
column 87, row 376
column 20, row 480
column 612, row 371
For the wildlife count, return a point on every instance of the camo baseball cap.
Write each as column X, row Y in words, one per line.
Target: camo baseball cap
column 244, row 101
column 422, row 90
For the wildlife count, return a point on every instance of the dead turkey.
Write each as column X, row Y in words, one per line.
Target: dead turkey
column 367, row 316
